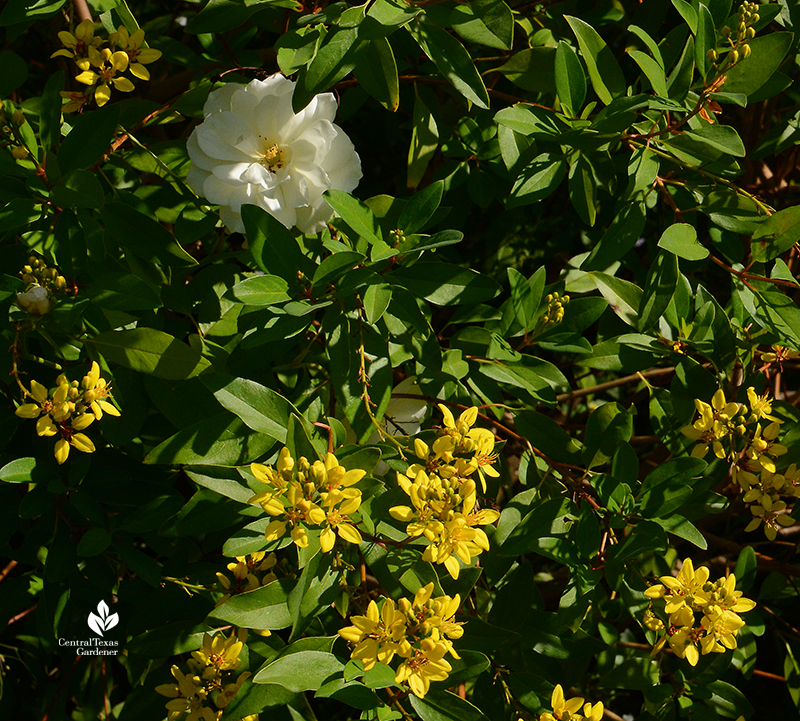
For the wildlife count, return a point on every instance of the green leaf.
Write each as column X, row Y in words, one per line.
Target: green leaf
column 546, row 435
column 376, row 300
column 605, row 73
column 583, row 191
column 89, row 138
column 261, row 408
column 143, row 236
column 705, row 39
column 424, row 141
column 652, row 70
column 681, row 239
column 94, row 542
column 335, row 265
column 264, row 608
column 219, row 16
column 452, row 60
column 445, row 706
column 538, row 179
column 18, row 11
column 420, row 208
column 776, row 234
column 301, row 671
column 619, row 238
column 357, row 215
column 746, row 568
column 220, row 440
column 624, row 297
column 678, row 526
column 446, row 284
column 608, row 427
column 376, row 72
column 662, row 280
column 297, row 48
column 336, row 57
column 728, row 700
column 486, row 22
column 15, row 72
column 22, row 470
column 767, row 53
column 532, row 69
column 570, row 79
column 150, row 351
column 720, row 137
column 261, row 290
column 78, row 189
column 273, row 246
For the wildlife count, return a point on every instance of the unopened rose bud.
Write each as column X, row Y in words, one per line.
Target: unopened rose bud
column 35, row 300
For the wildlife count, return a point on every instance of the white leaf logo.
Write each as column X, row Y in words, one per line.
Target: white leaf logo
column 102, row 621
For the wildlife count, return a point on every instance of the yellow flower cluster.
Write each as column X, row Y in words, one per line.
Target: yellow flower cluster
column 738, row 40
column 777, row 354
column 249, row 573
column 735, row 432
column 702, row 616
column 102, row 64
column 444, row 495
column 302, row 494
column 204, row 692
column 573, row 709
column 555, row 309
column 68, row 410
column 419, row 631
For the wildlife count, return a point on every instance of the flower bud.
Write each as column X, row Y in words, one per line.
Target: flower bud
column 746, row 51
column 35, row 300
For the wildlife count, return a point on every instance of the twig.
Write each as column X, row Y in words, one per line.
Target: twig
column 580, row 392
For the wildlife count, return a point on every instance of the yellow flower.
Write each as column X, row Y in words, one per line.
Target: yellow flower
column 107, row 66
column 715, row 423
column 426, row 664
column 77, row 46
column 137, row 55
column 309, row 494
column 563, row 709
column 95, row 392
column 760, row 406
column 45, row 407
column 75, row 101
column 377, row 635
column 219, row 652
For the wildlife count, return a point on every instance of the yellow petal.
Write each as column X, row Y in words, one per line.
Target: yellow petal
column 349, row 533
column 123, row 85
column 119, row 61
column 88, row 77
column 83, row 443
column 140, row 71
column 326, row 539
column 28, row 410
column 46, row 427
column 61, row 450
column 102, row 95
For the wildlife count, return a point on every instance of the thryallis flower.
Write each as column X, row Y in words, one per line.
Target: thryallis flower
column 302, row 494
column 253, row 149
column 703, row 615
column 107, row 66
column 77, row 46
column 219, row 652
column 565, row 709
column 138, row 56
column 95, row 392
column 376, row 636
column 72, row 438
column 187, row 695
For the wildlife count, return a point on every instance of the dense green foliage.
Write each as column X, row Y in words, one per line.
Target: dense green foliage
column 577, row 217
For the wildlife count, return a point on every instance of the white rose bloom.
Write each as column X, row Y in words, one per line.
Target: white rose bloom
column 36, row 300
column 253, row 149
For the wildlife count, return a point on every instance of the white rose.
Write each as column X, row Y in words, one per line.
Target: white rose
column 253, row 149
column 36, row 300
